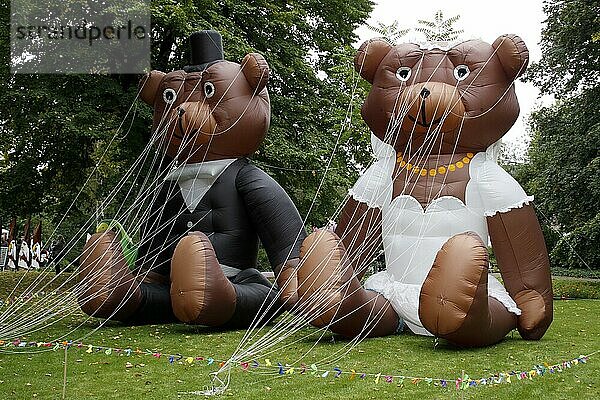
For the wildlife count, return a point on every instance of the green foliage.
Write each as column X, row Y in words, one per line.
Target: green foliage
column 57, row 130
column 563, row 167
column 563, row 174
column 564, row 159
column 574, row 273
column 575, row 289
column 578, row 248
column 440, row 29
column 571, row 50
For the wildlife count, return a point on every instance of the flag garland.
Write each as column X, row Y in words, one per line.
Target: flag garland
column 461, row 383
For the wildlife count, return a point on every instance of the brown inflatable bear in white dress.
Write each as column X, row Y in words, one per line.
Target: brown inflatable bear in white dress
column 435, row 198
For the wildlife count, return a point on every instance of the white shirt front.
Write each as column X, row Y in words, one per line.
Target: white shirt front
column 195, row 180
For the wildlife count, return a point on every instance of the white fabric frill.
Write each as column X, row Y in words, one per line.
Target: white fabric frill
column 404, row 298
column 492, row 189
column 374, row 186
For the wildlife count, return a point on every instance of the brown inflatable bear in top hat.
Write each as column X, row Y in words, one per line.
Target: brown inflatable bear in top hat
column 433, row 198
column 200, row 237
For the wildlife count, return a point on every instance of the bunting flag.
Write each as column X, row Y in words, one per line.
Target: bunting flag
column 463, row 382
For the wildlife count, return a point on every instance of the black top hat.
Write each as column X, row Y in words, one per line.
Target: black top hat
column 206, row 49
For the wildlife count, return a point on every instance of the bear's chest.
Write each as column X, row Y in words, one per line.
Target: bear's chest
column 431, row 178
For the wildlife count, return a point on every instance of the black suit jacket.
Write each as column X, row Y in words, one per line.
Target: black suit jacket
column 242, row 206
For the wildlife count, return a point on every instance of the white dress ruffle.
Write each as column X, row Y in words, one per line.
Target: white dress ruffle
column 404, row 298
column 374, row 186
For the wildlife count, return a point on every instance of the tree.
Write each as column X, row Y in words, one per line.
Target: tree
column 563, row 168
column 571, row 50
column 440, row 29
column 56, row 130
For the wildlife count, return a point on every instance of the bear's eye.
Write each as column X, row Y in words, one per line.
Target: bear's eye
column 403, row 73
column 169, row 96
column 461, row 72
column 209, row 89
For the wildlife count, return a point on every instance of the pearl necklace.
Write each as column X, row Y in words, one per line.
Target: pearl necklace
column 434, row 171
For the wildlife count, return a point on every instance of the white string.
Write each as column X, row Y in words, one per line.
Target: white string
column 311, row 249
column 433, row 141
column 222, row 97
column 300, row 321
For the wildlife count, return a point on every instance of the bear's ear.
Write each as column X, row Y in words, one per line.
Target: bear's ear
column 149, row 86
column 513, row 55
column 369, row 56
column 256, row 71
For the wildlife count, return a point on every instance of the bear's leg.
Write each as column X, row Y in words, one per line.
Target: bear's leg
column 330, row 294
column 108, row 288
column 156, row 304
column 454, row 302
column 254, row 295
column 200, row 292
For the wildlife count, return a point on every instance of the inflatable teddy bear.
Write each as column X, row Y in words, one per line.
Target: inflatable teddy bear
column 433, row 197
column 199, row 242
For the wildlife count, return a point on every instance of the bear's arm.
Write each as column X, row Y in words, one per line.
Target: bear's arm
column 359, row 228
column 273, row 215
column 522, row 257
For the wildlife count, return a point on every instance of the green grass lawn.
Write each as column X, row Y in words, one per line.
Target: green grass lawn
column 97, row 375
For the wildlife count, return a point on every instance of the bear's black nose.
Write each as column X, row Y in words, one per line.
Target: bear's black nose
column 424, row 93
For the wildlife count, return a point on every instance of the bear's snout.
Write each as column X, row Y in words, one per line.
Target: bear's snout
column 194, row 118
column 429, row 106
